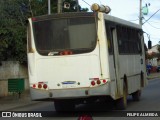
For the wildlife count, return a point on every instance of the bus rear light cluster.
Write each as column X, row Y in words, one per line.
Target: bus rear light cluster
column 98, row 82
column 40, row 86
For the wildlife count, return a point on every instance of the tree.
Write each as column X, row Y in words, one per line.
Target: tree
column 13, row 16
column 12, row 31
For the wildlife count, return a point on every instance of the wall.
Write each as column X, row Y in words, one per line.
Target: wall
column 153, row 62
column 12, row 69
column 153, row 49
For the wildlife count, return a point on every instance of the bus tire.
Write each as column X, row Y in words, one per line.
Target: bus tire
column 121, row 104
column 63, row 106
column 136, row 95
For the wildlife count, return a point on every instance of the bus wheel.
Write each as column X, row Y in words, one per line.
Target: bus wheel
column 121, row 104
column 63, row 106
column 136, row 95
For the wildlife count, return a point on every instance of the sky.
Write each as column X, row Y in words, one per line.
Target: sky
column 129, row 10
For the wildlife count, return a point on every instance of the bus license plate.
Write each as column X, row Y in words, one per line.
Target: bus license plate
column 68, row 84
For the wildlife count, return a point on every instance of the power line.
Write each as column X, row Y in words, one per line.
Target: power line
column 148, row 35
column 154, row 21
column 151, row 16
column 151, row 35
column 86, row 3
column 155, row 38
column 153, row 26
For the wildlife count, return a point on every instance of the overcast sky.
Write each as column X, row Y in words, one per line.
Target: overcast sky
column 129, row 10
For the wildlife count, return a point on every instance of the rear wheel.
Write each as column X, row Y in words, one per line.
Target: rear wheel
column 63, row 106
column 121, row 104
column 136, row 95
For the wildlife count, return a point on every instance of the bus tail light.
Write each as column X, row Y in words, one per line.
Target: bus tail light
column 45, row 86
column 39, row 86
column 104, row 81
column 34, row 86
column 98, row 82
column 93, row 83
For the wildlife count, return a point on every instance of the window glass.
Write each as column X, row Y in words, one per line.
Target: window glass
column 128, row 40
column 109, row 37
column 55, row 35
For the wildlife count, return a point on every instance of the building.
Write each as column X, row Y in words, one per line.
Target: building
column 154, row 53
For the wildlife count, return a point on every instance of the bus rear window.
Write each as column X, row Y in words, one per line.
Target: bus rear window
column 55, row 35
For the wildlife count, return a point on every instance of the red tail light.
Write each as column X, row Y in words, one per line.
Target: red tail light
column 34, row 86
column 45, row 86
column 93, row 83
column 104, row 81
column 98, row 82
column 39, row 86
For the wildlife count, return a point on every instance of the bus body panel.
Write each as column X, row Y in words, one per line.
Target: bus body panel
column 120, row 65
column 107, row 62
column 132, row 70
column 79, row 69
column 70, row 93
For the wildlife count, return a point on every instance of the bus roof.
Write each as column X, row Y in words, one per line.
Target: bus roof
column 75, row 14
column 121, row 21
column 63, row 15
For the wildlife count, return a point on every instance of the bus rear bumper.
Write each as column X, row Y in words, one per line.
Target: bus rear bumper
column 37, row 94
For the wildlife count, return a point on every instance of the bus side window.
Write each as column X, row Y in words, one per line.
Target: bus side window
column 109, row 38
column 128, row 40
column 139, row 43
column 120, row 40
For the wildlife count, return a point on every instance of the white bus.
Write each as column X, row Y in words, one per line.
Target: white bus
column 77, row 57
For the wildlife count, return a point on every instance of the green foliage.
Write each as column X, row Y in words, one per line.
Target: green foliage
column 13, row 14
column 13, row 26
column 12, row 31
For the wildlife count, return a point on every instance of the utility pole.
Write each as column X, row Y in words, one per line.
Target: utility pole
column 30, row 8
column 49, row 7
column 59, row 10
column 140, row 13
column 77, row 4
